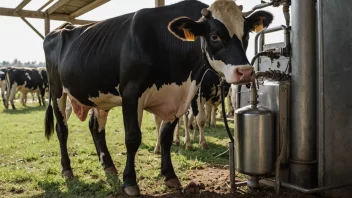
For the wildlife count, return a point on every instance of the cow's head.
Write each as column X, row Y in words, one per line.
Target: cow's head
column 224, row 33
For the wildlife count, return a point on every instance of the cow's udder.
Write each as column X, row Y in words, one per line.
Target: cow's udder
column 81, row 111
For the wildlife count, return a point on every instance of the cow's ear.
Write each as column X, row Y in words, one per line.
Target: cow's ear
column 186, row 29
column 259, row 20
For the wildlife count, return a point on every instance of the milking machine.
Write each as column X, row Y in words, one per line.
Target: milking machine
column 259, row 146
column 266, row 146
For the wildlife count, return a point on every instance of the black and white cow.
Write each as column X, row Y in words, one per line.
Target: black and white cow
column 3, row 83
column 140, row 62
column 207, row 99
column 24, row 80
column 42, row 73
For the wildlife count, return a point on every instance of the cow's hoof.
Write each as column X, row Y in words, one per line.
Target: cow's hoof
column 67, row 174
column 132, row 190
column 173, row 183
column 157, row 151
column 111, row 170
column 204, row 145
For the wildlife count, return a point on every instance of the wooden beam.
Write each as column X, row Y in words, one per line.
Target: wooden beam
column 40, row 15
column 47, row 23
column 159, row 3
column 21, row 5
column 32, row 27
column 46, row 4
column 88, row 8
column 56, row 6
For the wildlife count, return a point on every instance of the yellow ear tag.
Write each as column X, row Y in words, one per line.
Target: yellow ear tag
column 188, row 34
column 258, row 27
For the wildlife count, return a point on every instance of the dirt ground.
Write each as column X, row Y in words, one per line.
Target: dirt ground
column 214, row 182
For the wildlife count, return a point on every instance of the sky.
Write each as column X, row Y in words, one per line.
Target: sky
column 17, row 40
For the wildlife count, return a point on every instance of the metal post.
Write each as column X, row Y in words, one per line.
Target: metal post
column 303, row 158
column 232, row 166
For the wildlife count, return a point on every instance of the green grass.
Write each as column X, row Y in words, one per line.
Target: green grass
column 30, row 165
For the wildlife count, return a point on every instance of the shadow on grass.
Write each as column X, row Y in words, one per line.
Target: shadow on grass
column 24, row 110
column 78, row 188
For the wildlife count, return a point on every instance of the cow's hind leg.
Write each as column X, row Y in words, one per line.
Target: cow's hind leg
column 157, row 121
column 97, row 124
column 177, row 134
column 62, row 134
column 201, row 120
column 213, row 116
column 167, row 170
column 11, row 96
column 208, row 109
column 187, row 139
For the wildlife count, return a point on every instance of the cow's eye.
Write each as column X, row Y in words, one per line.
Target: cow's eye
column 214, row 37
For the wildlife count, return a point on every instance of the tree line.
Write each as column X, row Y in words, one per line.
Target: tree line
column 19, row 63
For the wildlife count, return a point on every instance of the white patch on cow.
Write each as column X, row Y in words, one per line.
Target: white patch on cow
column 170, row 101
column 27, row 74
column 106, row 101
column 226, row 70
column 12, row 92
column 228, row 13
column 23, row 89
column 61, row 102
column 102, row 154
column 101, row 116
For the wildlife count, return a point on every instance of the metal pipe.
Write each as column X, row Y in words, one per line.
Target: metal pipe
column 232, row 166
column 321, row 96
column 254, row 100
column 271, row 182
column 303, row 100
column 261, row 43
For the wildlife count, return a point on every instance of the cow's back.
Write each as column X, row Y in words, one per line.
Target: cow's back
column 126, row 46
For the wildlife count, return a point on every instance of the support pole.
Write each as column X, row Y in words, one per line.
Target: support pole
column 32, row 27
column 46, row 4
column 47, row 23
column 303, row 157
column 22, row 5
column 159, row 3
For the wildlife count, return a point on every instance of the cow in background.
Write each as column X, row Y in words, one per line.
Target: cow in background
column 43, row 74
column 203, row 108
column 24, row 80
column 3, row 83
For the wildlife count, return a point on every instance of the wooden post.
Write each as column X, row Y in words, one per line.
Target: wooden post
column 47, row 23
column 159, row 3
column 32, row 27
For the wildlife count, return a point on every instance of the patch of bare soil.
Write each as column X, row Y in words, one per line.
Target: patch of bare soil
column 214, row 182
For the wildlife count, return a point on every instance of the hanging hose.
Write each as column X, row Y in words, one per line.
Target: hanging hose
column 257, row 55
column 224, row 111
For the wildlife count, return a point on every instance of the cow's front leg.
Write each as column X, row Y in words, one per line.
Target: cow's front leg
column 97, row 124
column 166, row 136
column 133, row 137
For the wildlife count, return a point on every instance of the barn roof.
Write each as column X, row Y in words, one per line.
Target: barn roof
column 60, row 10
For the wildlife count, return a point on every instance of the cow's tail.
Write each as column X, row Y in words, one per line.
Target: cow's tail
column 49, row 119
